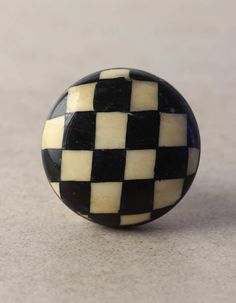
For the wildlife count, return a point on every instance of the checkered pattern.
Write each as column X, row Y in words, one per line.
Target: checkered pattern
column 121, row 147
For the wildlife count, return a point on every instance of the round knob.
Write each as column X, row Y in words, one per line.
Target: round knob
column 121, row 147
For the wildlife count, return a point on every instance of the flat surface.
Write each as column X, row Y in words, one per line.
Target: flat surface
column 47, row 253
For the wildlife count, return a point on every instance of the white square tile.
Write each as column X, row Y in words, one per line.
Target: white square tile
column 56, row 187
column 53, row 133
column 80, row 98
column 134, row 219
column 110, row 130
column 173, row 130
column 105, row 197
column 114, row 73
column 167, row 192
column 193, row 158
column 140, row 164
column 144, row 95
column 76, row 165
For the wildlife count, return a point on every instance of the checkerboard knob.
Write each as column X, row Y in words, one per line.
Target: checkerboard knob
column 121, row 147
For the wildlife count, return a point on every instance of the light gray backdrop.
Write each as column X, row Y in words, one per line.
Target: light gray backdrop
column 47, row 253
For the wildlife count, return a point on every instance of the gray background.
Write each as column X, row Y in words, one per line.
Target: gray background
column 47, row 253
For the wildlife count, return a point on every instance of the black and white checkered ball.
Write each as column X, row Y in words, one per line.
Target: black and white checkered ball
column 121, row 147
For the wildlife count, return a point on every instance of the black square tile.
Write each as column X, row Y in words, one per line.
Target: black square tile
column 60, row 107
column 79, row 131
column 108, row 165
column 142, row 130
column 157, row 213
column 193, row 136
column 171, row 162
column 52, row 163
column 169, row 100
column 76, row 195
column 137, row 196
column 111, row 220
column 112, row 95
column 94, row 77
column 187, row 183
